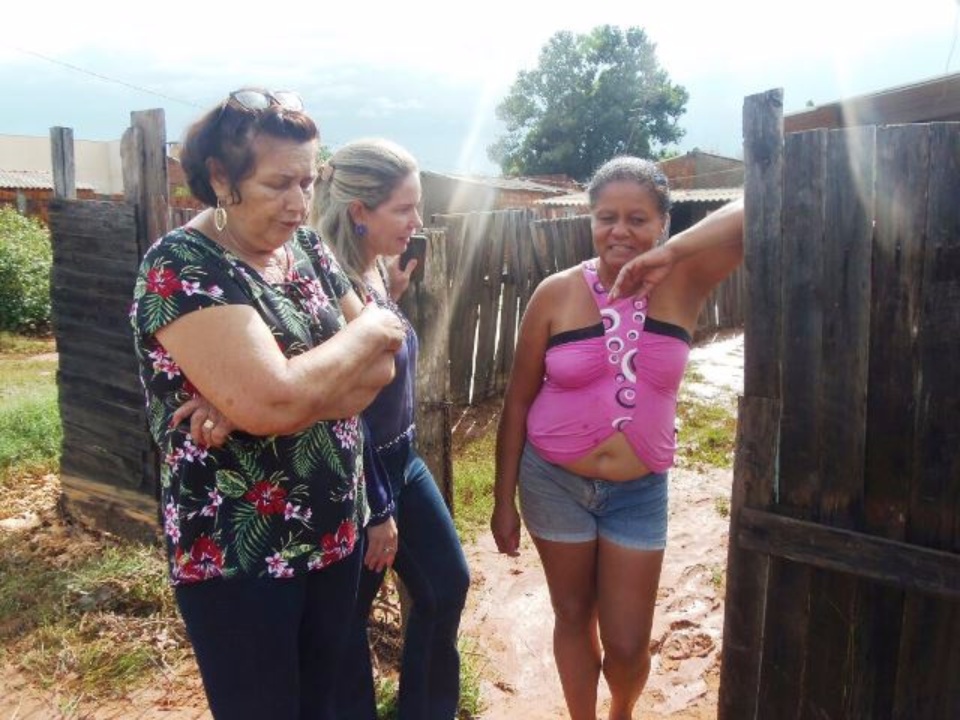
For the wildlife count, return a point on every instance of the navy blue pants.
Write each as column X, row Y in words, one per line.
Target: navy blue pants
column 270, row 648
column 431, row 564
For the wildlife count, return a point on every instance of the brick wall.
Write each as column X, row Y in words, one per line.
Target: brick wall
column 35, row 202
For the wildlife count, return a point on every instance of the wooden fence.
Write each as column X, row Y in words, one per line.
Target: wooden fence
column 494, row 262
column 108, row 462
column 843, row 585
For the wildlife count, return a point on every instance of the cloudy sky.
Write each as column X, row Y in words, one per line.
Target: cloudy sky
column 430, row 74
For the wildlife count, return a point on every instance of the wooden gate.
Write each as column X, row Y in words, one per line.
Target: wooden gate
column 843, row 589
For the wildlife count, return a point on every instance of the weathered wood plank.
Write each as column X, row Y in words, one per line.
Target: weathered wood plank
column 529, row 274
column 152, row 215
column 93, row 219
column 745, row 605
column 76, row 315
column 893, row 562
column 510, row 299
column 785, row 635
column 836, row 633
column 931, row 626
column 896, row 263
column 490, row 269
column 895, row 311
column 802, row 322
column 465, row 312
column 90, row 280
column 763, row 200
column 430, row 300
column 80, row 406
column 80, row 337
column 118, row 373
column 100, row 463
column 62, row 161
column 124, row 512
column 128, row 446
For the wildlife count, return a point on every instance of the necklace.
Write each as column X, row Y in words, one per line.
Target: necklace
column 604, row 283
column 274, row 271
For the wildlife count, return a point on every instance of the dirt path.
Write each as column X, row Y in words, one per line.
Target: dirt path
column 509, row 616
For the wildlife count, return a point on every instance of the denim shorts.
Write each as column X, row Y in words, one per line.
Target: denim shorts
column 559, row 506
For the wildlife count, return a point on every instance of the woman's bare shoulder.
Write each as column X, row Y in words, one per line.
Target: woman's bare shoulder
column 561, row 299
column 560, row 283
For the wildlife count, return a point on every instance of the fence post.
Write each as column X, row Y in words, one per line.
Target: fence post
column 61, row 160
column 758, row 432
column 144, row 157
column 427, row 305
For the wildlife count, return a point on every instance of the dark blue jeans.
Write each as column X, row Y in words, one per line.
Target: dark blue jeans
column 266, row 647
column 431, row 564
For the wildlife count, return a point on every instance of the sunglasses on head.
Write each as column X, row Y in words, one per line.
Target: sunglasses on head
column 256, row 100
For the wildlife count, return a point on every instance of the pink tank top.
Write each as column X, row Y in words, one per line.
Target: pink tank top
column 621, row 374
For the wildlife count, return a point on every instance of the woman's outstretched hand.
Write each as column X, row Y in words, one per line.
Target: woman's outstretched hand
column 639, row 276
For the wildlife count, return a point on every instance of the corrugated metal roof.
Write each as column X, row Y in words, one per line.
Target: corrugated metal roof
column 503, row 183
column 32, row 180
column 706, row 195
column 676, row 196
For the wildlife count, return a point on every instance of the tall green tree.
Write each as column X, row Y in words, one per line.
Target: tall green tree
column 591, row 97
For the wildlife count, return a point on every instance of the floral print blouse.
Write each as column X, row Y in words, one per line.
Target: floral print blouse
column 258, row 506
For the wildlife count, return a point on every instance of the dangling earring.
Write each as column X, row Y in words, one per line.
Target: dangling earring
column 360, row 229
column 665, row 235
column 220, row 217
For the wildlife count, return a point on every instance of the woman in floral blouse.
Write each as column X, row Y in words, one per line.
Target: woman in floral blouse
column 246, row 306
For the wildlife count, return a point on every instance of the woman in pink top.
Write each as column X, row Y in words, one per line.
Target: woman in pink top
column 586, row 431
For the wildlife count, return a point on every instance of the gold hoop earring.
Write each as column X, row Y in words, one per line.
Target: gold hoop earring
column 220, row 217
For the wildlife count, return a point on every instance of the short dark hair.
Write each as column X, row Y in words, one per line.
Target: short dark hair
column 645, row 173
column 226, row 133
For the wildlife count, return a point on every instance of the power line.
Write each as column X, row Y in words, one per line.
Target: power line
column 953, row 44
column 106, row 78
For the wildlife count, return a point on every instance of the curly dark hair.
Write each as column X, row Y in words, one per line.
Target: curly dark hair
column 226, row 133
column 626, row 167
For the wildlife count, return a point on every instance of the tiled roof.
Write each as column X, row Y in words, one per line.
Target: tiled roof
column 32, row 180
column 676, row 196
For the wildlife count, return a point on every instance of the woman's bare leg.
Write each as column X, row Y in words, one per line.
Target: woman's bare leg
column 571, row 571
column 627, row 582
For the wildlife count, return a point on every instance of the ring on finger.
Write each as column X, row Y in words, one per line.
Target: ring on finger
column 208, row 424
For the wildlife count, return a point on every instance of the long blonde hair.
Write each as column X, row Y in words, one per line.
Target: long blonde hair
column 367, row 171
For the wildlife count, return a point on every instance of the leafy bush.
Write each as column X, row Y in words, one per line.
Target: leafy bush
column 25, row 260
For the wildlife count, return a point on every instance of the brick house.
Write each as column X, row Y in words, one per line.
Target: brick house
column 446, row 194
column 30, row 192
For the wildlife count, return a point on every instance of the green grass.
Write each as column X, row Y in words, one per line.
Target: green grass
column 94, row 621
column 472, row 663
column 706, row 428
column 705, row 433
column 470, row 706
column 473, row 468
column 30, row 430
column 86, row 616
column 473, row 475
column 718, row 576
column 18, row 344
